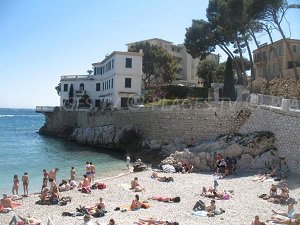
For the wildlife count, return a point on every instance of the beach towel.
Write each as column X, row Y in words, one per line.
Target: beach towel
column 125, row 186
column 168, row 168
column 201, row 213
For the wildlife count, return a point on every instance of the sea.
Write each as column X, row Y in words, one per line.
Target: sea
column 23, row 149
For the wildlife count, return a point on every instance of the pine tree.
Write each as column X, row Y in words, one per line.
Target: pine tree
column 229, row 90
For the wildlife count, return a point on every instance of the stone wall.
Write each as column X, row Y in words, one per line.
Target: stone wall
column 168, row 123
column 285, row 126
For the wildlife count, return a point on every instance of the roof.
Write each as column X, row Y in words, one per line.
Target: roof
column 265, row 45
column 117, row 53
column 152, row 39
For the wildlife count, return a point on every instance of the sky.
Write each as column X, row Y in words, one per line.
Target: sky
column 41, row 40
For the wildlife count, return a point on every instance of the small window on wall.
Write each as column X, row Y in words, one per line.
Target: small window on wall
column 112, row 63
column 128, row 63
column 65, row 87
column 81, row 87
column 294, row 48
column 98, row 85
column 127, row 82
column 112, row 82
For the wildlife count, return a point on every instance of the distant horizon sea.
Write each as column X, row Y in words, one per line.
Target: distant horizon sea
column 23, row 149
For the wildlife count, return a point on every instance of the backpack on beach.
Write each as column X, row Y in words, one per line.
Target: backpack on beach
column 101, row 186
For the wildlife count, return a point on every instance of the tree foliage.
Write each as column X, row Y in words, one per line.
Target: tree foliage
column 158, row 64
column 71, row 94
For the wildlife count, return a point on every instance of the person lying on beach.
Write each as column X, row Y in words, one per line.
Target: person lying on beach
column 257, row 221
column 136, row 186
column 25, row 221
column 136, row 204
column 161, row 178
column 7, row 204
column 290, row 213
column 87, row 221
column 211, row 193
column 152, row 221
column 165, row 199
column 111, row 222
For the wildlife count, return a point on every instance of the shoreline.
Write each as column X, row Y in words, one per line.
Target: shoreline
column 240, row 209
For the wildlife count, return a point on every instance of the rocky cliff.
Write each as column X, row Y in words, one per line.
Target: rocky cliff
column 253, row 151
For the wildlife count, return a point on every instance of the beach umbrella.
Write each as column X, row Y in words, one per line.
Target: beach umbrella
column 168, row 168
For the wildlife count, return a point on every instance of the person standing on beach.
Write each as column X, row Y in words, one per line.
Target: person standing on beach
column 128, row 161
column 73, row 173
column 216, row 184
column 52, row 174
column 25, row 179
column 15, row 185
column 45, row 178
column 93, row 172
column 88, row 169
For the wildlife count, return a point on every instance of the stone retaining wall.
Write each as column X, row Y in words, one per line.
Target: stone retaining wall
column 204, row 121
column 285, row 126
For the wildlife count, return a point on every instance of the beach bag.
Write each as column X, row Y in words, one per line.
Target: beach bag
column 101, row 186
column 200, row 204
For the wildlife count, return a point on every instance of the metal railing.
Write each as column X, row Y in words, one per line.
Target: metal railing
column 72, row 77
column 278, row 102
column 42, row 109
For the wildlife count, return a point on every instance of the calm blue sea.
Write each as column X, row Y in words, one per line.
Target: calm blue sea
column 22, row 149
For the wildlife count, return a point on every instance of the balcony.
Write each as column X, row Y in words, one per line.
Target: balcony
column 80, row 92
column 77, row 77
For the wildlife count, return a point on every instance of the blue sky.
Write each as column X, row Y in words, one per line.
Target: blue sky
column 42, row 40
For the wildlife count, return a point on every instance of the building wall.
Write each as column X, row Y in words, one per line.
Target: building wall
column 285, row 126
column 187, row 63
column 266, row 65
column 112, row 81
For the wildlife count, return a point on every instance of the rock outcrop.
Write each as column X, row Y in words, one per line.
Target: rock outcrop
column 252, row 151
column 125, row 138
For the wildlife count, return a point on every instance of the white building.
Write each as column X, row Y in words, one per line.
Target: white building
column 187, row 65
column 116, row 82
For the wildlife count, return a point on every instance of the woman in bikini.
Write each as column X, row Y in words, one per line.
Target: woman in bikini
column 136, row 204
column 15, row 185
column 165, row 199
column 25, row 180
column 152, row 221
column 136, row 186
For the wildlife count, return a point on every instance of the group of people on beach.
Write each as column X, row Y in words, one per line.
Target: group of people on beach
column 16, row 183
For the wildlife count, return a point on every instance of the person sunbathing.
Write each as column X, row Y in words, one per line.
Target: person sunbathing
column 165, row 199
column 257, row 221
column 290, row 213
column 136, row 204
column 6, row 202
column 25, row 220
column 136, row 186
column 85, row 183
column 273, row 191
column 45, row 196
column 152, row 221
column 207, row 192
column 54, row 196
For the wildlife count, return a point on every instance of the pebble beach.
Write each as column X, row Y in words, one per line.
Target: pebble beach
column 239, row 210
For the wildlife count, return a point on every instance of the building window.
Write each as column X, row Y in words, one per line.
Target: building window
column 65, row 87
column 108, row 83
column 103, row 86
column 81, row 87
column 95, row 68
column 112, row 63
column 294, row 48
column 98, row 85
column 128, row 63
column 112, row 82
column 127, row 82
